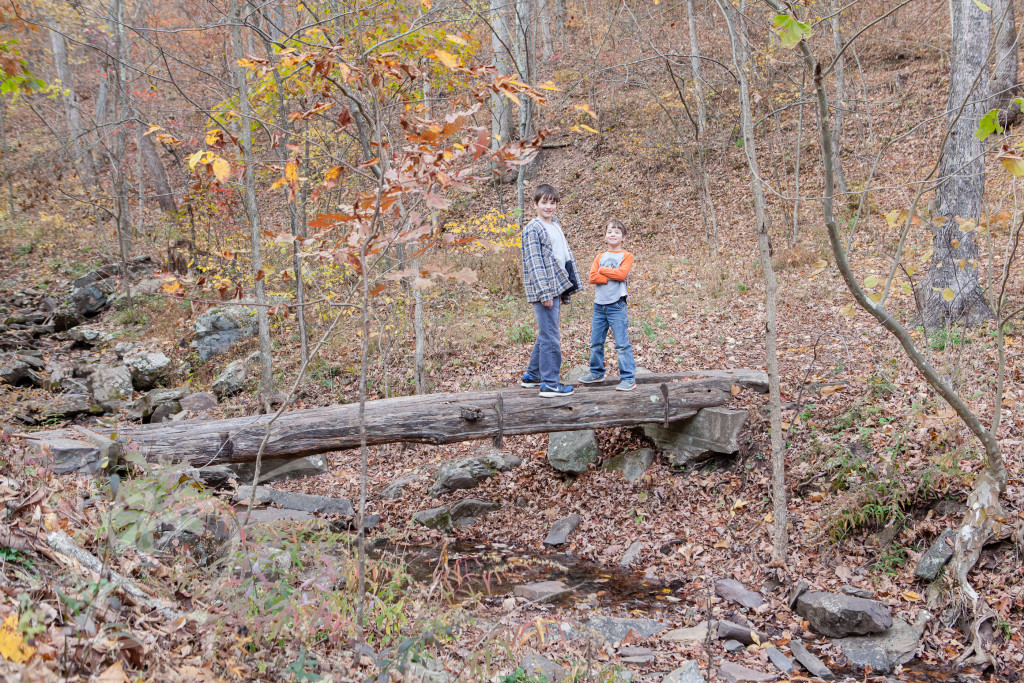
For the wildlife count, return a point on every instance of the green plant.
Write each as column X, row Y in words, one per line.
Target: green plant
column 522, row 334
column 891, row 560
column 941, row 339
column 741, row 288
column 520, row 676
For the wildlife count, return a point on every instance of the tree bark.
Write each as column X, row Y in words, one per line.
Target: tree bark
column 433, row 418
column 840, row 102
column 544, row 17
column 953, row 271
column 157, row 175
column 249, row 202
column 501, row 45
column 80, row 149
column 1002, row 87
column 741, row 59
column 707, row 201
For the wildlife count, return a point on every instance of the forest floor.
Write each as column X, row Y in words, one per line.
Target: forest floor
column 877, row 467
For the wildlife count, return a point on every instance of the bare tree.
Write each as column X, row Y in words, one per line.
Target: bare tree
column 501, row 45
column 80, row 149
column 707, row 202
column 841, row 99
column 1003, row 86
column 157, row 174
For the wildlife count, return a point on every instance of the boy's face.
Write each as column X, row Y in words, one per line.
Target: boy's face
column 546, row 208
column 613, row 237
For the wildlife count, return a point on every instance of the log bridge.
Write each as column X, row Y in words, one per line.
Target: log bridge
column 434, row 418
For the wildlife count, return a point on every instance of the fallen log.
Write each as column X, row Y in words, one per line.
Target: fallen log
column 434, row 419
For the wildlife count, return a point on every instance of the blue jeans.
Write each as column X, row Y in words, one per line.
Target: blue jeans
column 546, row 357
column 614, row 317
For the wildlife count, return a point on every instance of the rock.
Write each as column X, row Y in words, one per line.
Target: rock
column 543, row 591
column 612, row 629
column 466, row 473
column 694, row 635
column 214, row 476
column 20, row 369
column 883, row 652
column 728, row 630
column 856, row 592
column 370, row 522
column 231, row 380
column 462, row 513
column 429, row 671
column 303, row 502
column 165, row 412
column 561, row 529
column 632, row 464
column 730, row 672
column 736, row 592
column 280, row 469
column 148, row 368
column 798, row 589
column 733, row 646
column 220, row 328
column 267, row 562
column 123, row 349
column 198, row 402
column 781, row 661
column 145, row 406
column 88, row 336
column 65, row 405
column 394, row 490
column 710, row 431
column 65, row 319
column 689, row 672
column 631, row 554
column 108, row 384
column 940, row 552
column 88, row 301
column 837, row 616
column 809, row 661
column 535, row 666
column 636, row 655
column 149, row 285
column 573, row 451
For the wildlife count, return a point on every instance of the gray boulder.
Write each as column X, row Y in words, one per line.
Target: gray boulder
column 88, row 336
column 940, row 552
column 231, row 380
column 467, row 473
column 612, row 629
column 734, row 591
column 148, row 368
column 689, row 672
column 64, row 405
column 809, row 661
column 711, row 431
column 838, row 616
column 108, row 385
column 21, row 369
column 303, row 502
column 632, row 464
column 561, row 529
column 145, row 406
column 542, row 668
column 220, row 328
column 573, row 451
column 462, row 513
column 729, row 630
column 88, row 301
column 883, row 652
column 165, row 412
column 198, row 402
column 280, row 469
column 542, row 591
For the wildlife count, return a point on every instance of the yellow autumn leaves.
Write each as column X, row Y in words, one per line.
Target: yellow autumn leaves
column 12, row 643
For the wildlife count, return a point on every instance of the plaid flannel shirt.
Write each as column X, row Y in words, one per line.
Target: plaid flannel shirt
column 543, row 278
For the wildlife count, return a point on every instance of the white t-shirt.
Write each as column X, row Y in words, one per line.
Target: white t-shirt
column 559, row 245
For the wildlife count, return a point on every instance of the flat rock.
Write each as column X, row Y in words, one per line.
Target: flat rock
column 883, row 652
column 779, row 660
column 561, row 529
column 809, row 661
column 296, row 501
column 281, row 469
column 936, row 557
column 573, row 452
column 612, row 629
column 689, row 672
column 462, row 513
column 63, row 405
column 729, row 630
column 199, row 401
column 734, row 591
column 733, row 646
column 543, row 591
column 537, row 666
column 636, row 655
column 711, row 431
column 694, row 635
column 467, row 473
column 837, row 616
column 632, row 554
column 730, row 672
column 632, row 465
column 88, row 336
column 395, row 489
column 276, row 515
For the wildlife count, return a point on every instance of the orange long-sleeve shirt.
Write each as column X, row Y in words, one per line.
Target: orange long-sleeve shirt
column 601, row 275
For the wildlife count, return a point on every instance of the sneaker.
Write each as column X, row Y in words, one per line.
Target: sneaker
column 626, row 385
column 555, row 390
column 591, row 378
column 529, row 382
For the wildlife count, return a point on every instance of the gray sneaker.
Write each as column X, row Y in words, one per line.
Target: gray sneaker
column 626, row 385
column 591, row 378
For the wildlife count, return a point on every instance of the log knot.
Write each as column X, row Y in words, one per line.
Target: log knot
column 471, row 413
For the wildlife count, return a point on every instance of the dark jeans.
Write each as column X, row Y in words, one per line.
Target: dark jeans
column 546, row 358
column 614, row 317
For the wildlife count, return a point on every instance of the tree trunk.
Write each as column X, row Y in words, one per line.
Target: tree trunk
column 80, row 149
column 434, row 418
column 840, row 102
column 420, row 353
column 1002, row 87
column 951, row 293
column 524, row 60
column 119, row 181
column 698, row 83
column 544, row 17
column 501, row 45
column 249, row 202
column 741, row 60
column 704, row 183
column 157, row 175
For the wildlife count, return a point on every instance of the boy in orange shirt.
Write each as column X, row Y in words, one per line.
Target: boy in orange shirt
column 610, row 272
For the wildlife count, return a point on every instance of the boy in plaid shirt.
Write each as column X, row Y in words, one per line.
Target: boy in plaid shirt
column 550, row 275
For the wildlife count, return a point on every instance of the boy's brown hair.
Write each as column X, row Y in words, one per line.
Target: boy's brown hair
column 545, row 192
column 615, row 223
